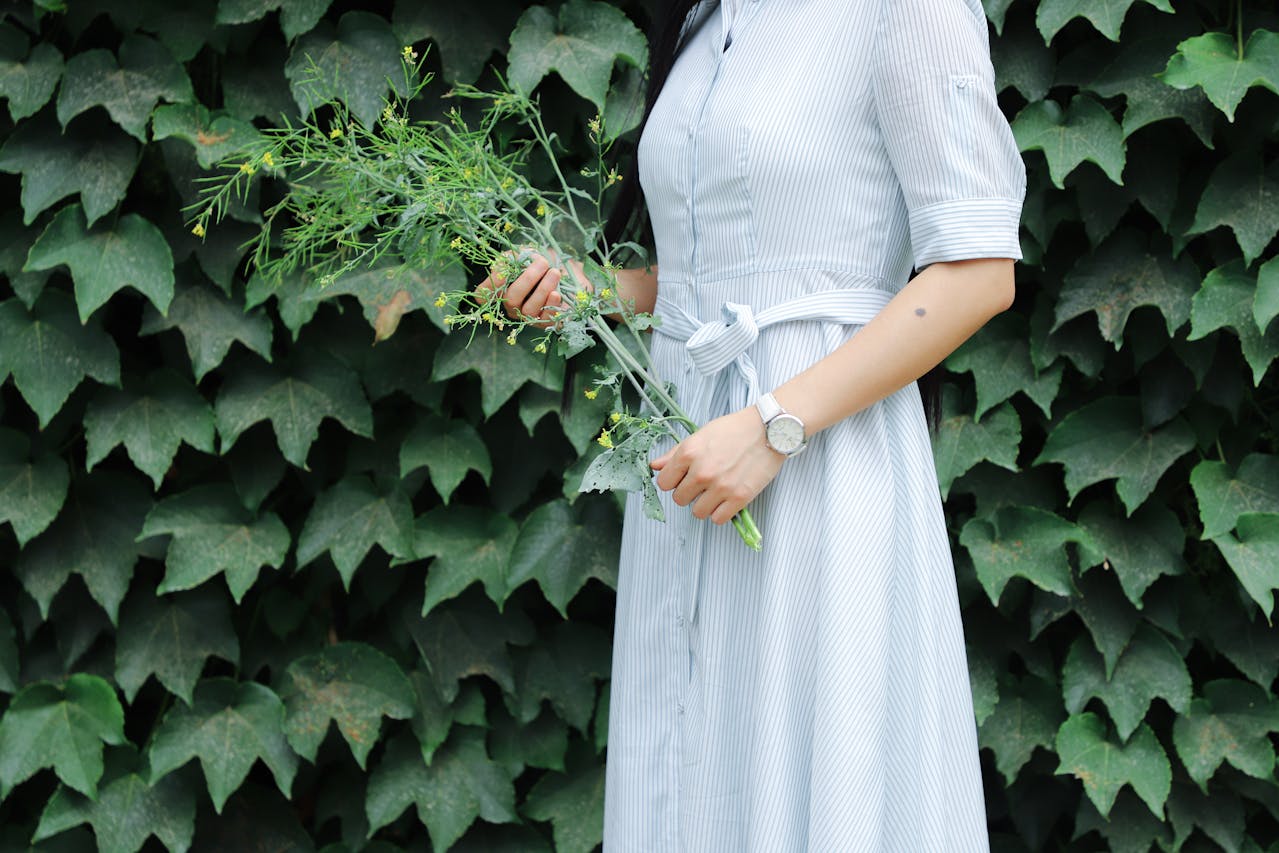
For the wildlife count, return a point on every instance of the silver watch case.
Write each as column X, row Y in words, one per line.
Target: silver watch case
column 783, row 432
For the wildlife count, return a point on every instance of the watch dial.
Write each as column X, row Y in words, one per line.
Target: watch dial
column 785, row 434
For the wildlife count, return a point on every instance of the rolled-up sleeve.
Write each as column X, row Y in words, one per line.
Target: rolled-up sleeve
column 962, row 177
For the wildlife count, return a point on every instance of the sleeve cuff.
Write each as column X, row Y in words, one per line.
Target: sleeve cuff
column 965, row 228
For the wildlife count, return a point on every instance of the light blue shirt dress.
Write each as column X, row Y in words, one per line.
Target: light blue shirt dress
column 815, row 696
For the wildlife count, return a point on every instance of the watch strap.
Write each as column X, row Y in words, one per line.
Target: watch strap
column 768, row 407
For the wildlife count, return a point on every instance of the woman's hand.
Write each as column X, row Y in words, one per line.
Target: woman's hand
column 534, row 293
column 721, row 467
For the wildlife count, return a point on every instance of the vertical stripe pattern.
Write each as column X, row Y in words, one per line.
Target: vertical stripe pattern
column 814, row 696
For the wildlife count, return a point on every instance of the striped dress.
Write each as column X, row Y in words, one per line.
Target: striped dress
column 814, row 696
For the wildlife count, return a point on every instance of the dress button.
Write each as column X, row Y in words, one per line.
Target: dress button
column 680, row 540
column 679, row 620
column 680, row 708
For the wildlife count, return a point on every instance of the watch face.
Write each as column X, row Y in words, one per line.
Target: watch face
column 785, row 433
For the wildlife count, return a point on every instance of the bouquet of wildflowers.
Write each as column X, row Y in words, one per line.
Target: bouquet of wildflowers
column 426, row 191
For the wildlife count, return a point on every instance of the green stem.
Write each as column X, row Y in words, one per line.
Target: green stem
column 1239, row 28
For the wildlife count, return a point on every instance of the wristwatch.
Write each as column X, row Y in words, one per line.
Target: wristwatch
column 783, row 431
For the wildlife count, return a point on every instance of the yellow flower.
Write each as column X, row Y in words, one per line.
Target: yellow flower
column 247, row 169
column 583, row 296
column 591, row 393
column 605, row 293
column 387, row 113
column 615, row 417
column 488, row 317
column 441, row 301
column 335, row 132
column 510, row 339
column 409, row 54
column 449, row 321
column 455, row 243
column 541, row 210
column 605, row 440
column 540, row 348
column 508, row 227
column 268, row 160
column 198, row 230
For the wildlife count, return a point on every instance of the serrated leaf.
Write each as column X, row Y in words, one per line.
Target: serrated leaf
column 1020, row 542
column 1128, row 828
column 516, row 746
column 998, row 356
column 1108, row 616
column 49, row 353
column 93, row 536
column 172, row 637
column 1105, row 440
column 15, row 241
column 1027, row 715
column 230, row 725
column 131, row 252
column 502, row 369
column 1265, row 304
column 9, row 662
column 460, row 785
column 1106, row 15
column 581, row 45
column 1083, row 131
column 210, row 322
column 1218, row 814
column 62, row 726
column 389, row 291
column 574, row 804
column 1139, row 549
column 469, row 544
column 357, row 63
column 296, row 16
column 1254, row 556
column 465, row 40
column 960, row 441
column 562, row 547
column 1223, row 301
column 1243, row 194
column 212, row 135
column 27, row 80
column 129, row 88
column 1023, row 62
column 348, row 519
column 433, row 717
column 151, row 419
column 295, row 298
column 352, row 684
column 448, row 449
column 295, row 398
column 1105, row 766
column 1230, row 721
column 562, row 668
column 462, row 638
column 214, row 534
column 1213, row 62
column 1224, row 496
column 32, row 490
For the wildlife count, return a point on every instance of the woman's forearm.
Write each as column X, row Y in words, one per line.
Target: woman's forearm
column 639, row 286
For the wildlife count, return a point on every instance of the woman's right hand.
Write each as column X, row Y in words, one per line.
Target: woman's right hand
column 534, row 293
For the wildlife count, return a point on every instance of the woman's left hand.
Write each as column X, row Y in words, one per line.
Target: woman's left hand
column 721, row 467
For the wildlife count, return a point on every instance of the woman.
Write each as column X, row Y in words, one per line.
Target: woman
column 798, row 160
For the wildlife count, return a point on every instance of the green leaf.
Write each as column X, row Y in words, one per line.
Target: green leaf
column 210, row 323
column 998, row 356
column 214, row 534
column 1254, row 556
column 49, row 353
column 562, row 668
column 151, row 419
column 32, row 490
column 1105, row 440
column 27, row 80
column 1138, row 549
column 352, row 684
column 15, row 241
column 562, row 547
column 1149, row 667
column 465, row 40
column 502, row 369
column 1128, row 828
column 315, row 385
column 1109, row 617
column 1121, row 276
column 516, row 746
column 581, row 45
column 62, row 726
column 1106, row 15
column 129, row 252
column 582, row 421
column 348, row 519
column 1213, row 62
column 296, row 16
column 1223, row 496
column 126, row 811
column 1021, row 542
column 469, row 544
column 448, row 449
column 1265, row 304
column 1022, row 62
column 1027, row 715
column 93, row 536
column 172, row 637
column 129, row 89
column 1083, row 131
column 389, row 291
column 464, row 638
column 1218, row 814
column 574, row 804
column 1105, row 766
column 961, row 442
column 1243, row 194
column 355, row 63
column 1225, row 301
column 433, row 717
column 230, row 725
column 10, row 676
column 213, row 136
column 55, row 164
column 460, row 785
column 1230, row 721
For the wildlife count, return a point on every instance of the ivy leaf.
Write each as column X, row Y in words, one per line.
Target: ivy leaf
column 1243, row 194
column 1022, row 62
column 1149, row 667
column 469, row 544
column 129, row 252
column 1121, row 276
column 354, row 63
column 210, row 322
column 502, row 369
column 129, row 89
column 1106, row 15
column 460, row 785
column 172, row 637
column 541, row 743
column 448, row 449
column 1027, row 715
column 1083, row 131
column 562, row 668
column 1139, row 549
column 962, row 441
column 1265, row 304
column 350, row 518
column 213, row 136
column 294, row 399
column 462, row 638
column 296, row 16
column 998, row 356
column 465, row 40
column 433, row 717
column 1223, row 496
column 1129, row 827
column 214, row 534
column 9, row 663
column 1230, row 721
column 151, row 419
column 93, row 536
column 230, row 725
column 1105, row 440
column 15, row 241
column 574, row 804
column 1018, row 541
column 32, row 489
column 49, row 353
column 352, row 684
column 1223, row 301
column 1105, row 766
column 562, row 547
column 62, row 726
column 581, row 423
column 389, row 291
column 1213, row 62
column 1254, row 555
column 1110, row 619
column 27, row 80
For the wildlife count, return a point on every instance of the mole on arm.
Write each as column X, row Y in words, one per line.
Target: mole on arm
column 919, row 312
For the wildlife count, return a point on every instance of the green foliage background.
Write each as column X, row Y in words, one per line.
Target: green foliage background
column 227, row 519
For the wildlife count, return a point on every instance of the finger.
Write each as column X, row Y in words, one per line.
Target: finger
column 518, row 290
column 672, row 473
column 554, row 304
column 689, row 489
column 660, row 462
column 536, row 300
column 724, row 513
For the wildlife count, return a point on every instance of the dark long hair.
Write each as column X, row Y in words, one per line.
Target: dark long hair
column 627, row 219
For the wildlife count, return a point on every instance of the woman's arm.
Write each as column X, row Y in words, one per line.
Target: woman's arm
column 723, row 465
column 537, row 289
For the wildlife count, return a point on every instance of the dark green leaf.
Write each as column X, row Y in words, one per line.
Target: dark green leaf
column 388, row 292
column 1218, row 814
column 562, row 547
column 1213, row 62
column 1104, row 766
column 32, row 490
column 563, row 669
column 469, row 544
column 433, row 717
column 210, row 322
column 1139, row 549
column 27, row 80
column 998, row 356
column 129, row 89
column 1223, row 496
column 1021, row 542
column 1027, row 715
column 1225, row 300
column 350, row 518
column 357, row 63
column 516, row 746
column 1265, row 305
column 461, row 638
column 1083, row 131
column 9, row 663
column 464, row 39
column 961, row 442
column 1106, row 15
column 296, row 16
column 1023, row 62
column 574, row 803
column 502, row 369
column 1230, row 721
column 1254, row 556
column 212, row 136
column 448, row 449
column 1109, row 617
